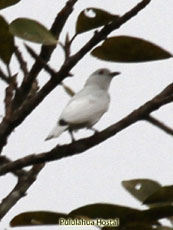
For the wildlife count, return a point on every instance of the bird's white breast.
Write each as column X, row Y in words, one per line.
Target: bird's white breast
column 86, row 107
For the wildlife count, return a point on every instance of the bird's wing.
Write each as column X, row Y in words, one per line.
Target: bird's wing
column 86, row 107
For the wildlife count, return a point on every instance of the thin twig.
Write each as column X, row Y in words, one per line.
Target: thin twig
column 72, row 39
column 22, row 62
column 19, row 191
column 9, row 92
column 80, row 146
column 159, row 124
column 67, row 46
column 44, row 65
column 51, row 71
column 9, row 71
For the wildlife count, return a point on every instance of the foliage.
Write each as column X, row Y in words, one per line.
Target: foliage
column 129, row 218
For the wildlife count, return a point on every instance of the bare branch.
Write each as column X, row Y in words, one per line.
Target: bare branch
column 5, row 160
column 52, row 72
column 40, row 61
column 25, row 180
column 160, row 125
column 22, row 62
column 77, row 147
column 19, row 191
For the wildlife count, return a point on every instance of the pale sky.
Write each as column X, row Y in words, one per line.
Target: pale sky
column 140, row 151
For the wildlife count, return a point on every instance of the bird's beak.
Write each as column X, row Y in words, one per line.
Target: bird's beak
column 113, row 74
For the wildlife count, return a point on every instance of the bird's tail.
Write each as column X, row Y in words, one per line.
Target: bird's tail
column 56, row 132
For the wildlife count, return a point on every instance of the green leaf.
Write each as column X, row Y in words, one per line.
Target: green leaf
column 125, row 214
column 106, row 211
column 37, row 218
column 98, row 18
column 101, row 210
column 6, row 42
column 162, row 195
column 32, row 31
column 129, row 49
column 154, row 214
column 141, row 188
column 7, row 3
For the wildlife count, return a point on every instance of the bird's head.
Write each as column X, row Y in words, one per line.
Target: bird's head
column 101, row 78
column 105, row 72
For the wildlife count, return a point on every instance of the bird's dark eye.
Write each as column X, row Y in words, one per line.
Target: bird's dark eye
column 101, row 71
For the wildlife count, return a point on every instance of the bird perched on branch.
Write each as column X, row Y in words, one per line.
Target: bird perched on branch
column 87, row 106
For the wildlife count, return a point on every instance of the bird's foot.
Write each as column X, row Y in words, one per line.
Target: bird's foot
column 72, row 136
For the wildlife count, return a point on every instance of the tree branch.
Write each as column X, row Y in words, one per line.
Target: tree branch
column 19, row 191
column 160, row 125
column 77, row 147
column 22, row 62
column 5, row 160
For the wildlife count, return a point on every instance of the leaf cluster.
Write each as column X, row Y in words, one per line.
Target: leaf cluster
column 158, row 198
column 115, row 49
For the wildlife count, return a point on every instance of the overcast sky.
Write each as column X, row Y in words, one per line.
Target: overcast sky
column 140, row 151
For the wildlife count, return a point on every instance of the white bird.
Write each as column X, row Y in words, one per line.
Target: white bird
column 87, row 106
